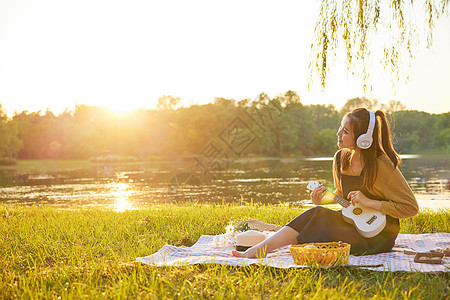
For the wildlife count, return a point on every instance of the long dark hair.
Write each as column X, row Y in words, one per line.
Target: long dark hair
column 382, row 142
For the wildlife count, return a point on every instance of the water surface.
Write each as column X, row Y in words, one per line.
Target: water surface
column 125, row 186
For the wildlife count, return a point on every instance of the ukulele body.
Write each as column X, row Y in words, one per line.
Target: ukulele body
column 369, row 222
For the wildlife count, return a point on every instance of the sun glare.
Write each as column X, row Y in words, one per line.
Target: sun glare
column 121, row 193
column 121, row 108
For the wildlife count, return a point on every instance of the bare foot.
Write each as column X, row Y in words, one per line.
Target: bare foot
column 237, row 253
column 250, row 253
column 283, row 237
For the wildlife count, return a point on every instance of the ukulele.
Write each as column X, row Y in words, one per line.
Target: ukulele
column 369, row 222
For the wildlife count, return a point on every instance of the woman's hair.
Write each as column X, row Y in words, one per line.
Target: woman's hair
column 382, row 142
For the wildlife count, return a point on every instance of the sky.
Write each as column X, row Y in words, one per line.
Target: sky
column 57, row 54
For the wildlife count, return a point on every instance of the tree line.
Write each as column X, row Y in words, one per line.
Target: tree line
column 290, row 129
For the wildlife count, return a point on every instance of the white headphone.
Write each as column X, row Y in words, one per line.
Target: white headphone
column 365, row 140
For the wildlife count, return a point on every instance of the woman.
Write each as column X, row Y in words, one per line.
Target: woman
column 365, row 171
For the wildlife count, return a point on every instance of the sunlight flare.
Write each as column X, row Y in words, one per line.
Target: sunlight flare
column 121, row 192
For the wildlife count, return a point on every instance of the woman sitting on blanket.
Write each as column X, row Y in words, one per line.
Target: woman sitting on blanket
column 365, row 171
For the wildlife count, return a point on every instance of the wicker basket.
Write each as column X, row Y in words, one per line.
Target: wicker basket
column 321, row 254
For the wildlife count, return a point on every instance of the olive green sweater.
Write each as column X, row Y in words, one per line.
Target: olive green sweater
column 390, row 185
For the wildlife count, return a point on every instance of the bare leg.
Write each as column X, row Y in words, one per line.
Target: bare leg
column 285, row 236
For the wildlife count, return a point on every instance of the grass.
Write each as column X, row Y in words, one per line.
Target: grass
column 47, row 252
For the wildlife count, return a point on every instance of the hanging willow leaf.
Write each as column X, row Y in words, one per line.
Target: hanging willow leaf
column 368, row 29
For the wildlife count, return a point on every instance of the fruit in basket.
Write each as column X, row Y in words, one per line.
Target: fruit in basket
column 308, row 255
column 322, row 254
column 310, row 247
column 328, row 258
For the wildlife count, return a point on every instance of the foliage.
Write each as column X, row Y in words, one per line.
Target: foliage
column 372, row 31
column 90, row 253
column 415, row 131
column 280, row 127
column 168, row 102
column 325, row 142
column 9, row 142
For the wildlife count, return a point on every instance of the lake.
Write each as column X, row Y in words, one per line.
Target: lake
column 132, row 185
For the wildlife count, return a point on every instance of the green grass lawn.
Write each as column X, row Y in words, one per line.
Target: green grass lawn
column 90, row 253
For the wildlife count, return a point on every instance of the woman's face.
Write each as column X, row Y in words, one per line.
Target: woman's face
column 345, row 135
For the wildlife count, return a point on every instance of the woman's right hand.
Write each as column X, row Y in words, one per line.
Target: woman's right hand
column 317, row 194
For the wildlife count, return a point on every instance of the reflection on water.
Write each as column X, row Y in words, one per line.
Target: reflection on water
column 121, row 193
column 275, row 181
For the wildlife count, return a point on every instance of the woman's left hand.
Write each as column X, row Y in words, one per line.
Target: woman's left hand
column 358, row 197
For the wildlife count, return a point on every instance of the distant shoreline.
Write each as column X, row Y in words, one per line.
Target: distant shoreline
column 73, row 162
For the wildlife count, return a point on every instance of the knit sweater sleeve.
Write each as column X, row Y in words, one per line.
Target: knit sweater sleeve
column 390, row 184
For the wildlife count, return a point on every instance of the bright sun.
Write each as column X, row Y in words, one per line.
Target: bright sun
column 120, row 107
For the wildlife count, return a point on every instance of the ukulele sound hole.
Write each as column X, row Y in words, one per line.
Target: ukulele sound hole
column 357, row 211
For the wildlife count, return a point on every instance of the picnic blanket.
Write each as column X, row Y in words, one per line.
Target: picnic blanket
column 207, row 251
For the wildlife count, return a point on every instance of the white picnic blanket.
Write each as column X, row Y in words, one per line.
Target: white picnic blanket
column 206, row 251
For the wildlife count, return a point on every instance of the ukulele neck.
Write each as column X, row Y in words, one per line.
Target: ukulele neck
column 343, row 202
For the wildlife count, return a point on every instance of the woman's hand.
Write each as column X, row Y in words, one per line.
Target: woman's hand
column 358, row 197
column 317, row 194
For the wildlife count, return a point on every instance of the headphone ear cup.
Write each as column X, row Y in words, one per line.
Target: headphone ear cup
column 364, row 141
